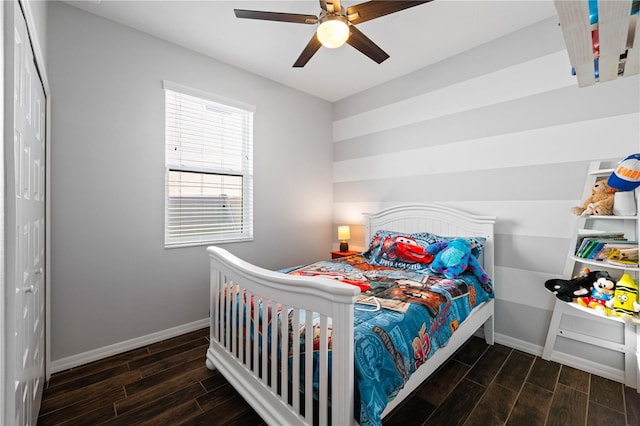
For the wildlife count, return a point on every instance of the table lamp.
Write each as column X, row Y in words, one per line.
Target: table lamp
column 343, row 236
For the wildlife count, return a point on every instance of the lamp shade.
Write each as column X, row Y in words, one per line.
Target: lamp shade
column 343, row 232
column 333, row 32
column 343, row 236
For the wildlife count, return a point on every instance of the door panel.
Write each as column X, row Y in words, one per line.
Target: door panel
column 26, row 217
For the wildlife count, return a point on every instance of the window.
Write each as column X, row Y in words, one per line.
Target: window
column 209, row 168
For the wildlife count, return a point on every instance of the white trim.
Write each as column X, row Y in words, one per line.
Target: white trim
column 518, row 344
column 208, row 243
column 127, row 345
column 35, row 42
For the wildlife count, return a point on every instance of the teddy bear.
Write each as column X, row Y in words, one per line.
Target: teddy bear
column 452, row 258
column 600, row 202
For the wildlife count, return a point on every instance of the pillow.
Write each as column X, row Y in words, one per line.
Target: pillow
column 477, row 243
column 406, row 250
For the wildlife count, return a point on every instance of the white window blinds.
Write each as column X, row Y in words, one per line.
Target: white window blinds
column 209, row 169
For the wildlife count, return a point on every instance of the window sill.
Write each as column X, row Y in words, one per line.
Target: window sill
column 208, row 243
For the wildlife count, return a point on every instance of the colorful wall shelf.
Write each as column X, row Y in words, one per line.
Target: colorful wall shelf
column 602, row 38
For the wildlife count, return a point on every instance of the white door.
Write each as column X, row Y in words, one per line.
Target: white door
column 25, row 225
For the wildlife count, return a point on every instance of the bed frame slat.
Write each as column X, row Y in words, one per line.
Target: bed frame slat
column 256, row 337
column 265, row 327
column 274, row 347
column 308, row 367
column 214, row 332
column 227, row 337
column 284, row 352
column 295, row 374
column 324, row 368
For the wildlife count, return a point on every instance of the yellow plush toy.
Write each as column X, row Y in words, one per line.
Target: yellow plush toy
column 599, row 203
column 625, row 298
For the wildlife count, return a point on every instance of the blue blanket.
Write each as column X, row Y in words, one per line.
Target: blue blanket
column 402, row 317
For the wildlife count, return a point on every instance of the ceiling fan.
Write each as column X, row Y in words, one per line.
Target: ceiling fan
column 337, row 25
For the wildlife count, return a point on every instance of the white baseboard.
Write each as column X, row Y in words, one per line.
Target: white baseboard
column 521, row 345
column 118, row 348
column 518, row 344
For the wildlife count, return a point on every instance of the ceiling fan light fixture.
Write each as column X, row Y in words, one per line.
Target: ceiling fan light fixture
column 333, row 31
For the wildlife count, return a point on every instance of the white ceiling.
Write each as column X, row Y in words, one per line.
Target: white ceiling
column 414, row 38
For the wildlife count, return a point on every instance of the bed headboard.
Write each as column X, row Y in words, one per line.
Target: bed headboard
column 437, row 219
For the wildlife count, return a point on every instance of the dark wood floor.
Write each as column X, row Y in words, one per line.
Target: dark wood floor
column 167, row 383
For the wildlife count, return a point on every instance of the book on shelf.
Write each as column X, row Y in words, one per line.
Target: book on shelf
column 586, row 236
column 603, row 249
column 622, row 262
column 619, row 254
column 595, row 249
column 588, row 244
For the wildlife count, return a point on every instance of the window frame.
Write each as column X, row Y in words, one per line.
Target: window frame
column 246, row 172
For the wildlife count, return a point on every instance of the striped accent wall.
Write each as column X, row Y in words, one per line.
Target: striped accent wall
column 500, row 130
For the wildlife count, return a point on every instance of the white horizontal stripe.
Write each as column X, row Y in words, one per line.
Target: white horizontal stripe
column 540, row 75
column 536, row 218
column 353, row 213
column 604, row 138
column 529, row 218
column 523, row 287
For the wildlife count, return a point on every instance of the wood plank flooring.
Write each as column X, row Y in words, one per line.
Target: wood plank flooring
column 167, row 383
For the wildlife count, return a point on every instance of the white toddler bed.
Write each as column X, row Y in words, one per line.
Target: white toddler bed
column 251, row 363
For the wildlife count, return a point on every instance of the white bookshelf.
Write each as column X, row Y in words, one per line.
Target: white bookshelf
column 625, row 340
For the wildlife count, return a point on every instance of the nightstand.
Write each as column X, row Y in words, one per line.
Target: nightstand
column 338, row 254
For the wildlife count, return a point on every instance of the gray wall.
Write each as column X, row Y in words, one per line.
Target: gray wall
column 499, row 130
column 112, row 280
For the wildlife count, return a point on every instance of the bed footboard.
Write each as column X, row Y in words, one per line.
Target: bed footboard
column 257, row 346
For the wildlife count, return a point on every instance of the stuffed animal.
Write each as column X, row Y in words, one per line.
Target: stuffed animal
column 624, row 302
column 599, row 203
column 454, row 257
column 568, row 290
column 602, row 291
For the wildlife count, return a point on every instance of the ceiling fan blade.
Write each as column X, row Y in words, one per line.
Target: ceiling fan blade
column 310, row 49
column 331, row 6
column 276, row 16
column 361, row 42
column 376, row 8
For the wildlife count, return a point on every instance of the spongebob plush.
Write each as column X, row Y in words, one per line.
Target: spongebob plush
column 624, row 302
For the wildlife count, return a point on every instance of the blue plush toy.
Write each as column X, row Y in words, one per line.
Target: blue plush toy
column 452, row 258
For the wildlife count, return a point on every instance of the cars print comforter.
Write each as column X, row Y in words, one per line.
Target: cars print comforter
column 402, row 317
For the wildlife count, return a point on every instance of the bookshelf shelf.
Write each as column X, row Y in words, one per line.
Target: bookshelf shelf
column 590, row 311
column 603, row 265
column 601, row 172
column 612, row 217
column 567, row 316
